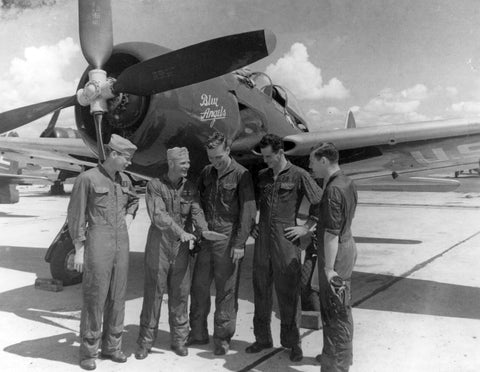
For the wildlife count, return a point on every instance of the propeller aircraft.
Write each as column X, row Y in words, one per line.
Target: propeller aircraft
column 159, row 98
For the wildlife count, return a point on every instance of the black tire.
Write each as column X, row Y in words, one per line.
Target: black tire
column 310, row 299
column 61, row 254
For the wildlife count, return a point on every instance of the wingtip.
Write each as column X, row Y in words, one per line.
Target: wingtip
column 270, row 41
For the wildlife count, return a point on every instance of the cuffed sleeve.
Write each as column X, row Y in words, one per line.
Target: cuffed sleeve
column 76, row 213
column 310, row 188
column 133, row 201
column 198, row 217
column 334, row 217
column 248, row 211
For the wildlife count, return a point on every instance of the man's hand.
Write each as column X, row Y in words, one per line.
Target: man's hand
column 186, row 237
column 330, row 273
column 255, row 231
column 128, row 220
column 237, row 254
column 79, row 257
column 295, row 232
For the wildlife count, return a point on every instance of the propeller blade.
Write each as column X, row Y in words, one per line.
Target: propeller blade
column 195, row 63
column 51, row 125
column 96, row 35
column 13, row 119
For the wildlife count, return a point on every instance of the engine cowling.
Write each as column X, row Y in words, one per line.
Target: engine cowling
column 126, row 111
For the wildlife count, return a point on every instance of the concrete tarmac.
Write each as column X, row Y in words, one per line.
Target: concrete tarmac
column 416, row 292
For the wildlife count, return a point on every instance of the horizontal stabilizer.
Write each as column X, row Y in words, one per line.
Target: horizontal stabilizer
column 404, row 183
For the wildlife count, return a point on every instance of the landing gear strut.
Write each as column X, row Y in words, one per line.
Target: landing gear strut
column 57, row 188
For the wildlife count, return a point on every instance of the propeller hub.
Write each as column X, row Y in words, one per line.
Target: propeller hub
column 96, row 91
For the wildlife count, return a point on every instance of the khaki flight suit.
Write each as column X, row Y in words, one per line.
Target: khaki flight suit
column 96, row 215
column 173, row 209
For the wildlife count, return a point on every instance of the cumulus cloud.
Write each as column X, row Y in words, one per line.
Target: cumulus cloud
column 332, row 110
column 417, row 92
column 313, row 112
column 405, row 102
column 303, row 78
column 38, row 75
column 26, row 4
column 467, row 107
column 451, row 92
column 390, row 106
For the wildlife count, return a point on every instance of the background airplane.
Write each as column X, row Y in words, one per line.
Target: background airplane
column 160, row 98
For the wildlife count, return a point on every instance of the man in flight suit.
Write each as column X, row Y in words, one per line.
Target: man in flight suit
column 173, row 206
column 277, row 259
column 228, row 200
column 337, row 254
column 102, row 206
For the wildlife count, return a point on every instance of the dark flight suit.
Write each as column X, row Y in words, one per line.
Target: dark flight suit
column 96, row 215
column 172, row 210
column 336, row 212
column 229, row 205
column 277, row 259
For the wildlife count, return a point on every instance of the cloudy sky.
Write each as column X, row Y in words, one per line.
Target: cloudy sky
column 389, row 61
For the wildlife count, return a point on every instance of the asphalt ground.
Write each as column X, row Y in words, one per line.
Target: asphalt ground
column 416, row 292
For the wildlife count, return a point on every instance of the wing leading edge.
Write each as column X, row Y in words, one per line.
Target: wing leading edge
column 353, row 138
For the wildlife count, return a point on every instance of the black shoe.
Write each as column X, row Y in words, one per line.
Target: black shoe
column 88, row 364
column 117, row 356
column 141, row 352
column 191, row 341
column 220, row 350
column 180, row 350
column 296, row 355
column 256, row 347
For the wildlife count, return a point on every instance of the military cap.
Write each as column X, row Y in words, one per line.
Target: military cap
column 176, row 153
column 121, row 145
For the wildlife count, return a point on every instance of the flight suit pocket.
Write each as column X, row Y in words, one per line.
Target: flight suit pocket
column 285, row 191
column 101, row 196
column 228, row 192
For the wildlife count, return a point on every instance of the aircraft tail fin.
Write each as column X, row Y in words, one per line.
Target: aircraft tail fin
column 350, row 120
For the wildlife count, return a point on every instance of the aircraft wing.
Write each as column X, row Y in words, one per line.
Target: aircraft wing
column 396, row 157
column 353, row 138
column 20, row 179
column 59, row 153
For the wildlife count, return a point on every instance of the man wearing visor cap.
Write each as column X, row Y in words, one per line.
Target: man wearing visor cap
column 102, row 206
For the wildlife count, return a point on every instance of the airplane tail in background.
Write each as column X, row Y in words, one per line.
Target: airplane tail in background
column 350, row 120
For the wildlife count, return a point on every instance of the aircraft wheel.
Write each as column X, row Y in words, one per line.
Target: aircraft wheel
column 310, row 299
column 61, row 264
column 457, row 173
column 57, row 188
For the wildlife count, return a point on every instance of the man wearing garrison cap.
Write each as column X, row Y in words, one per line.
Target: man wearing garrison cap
column 173, row 206
column 102, row 206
